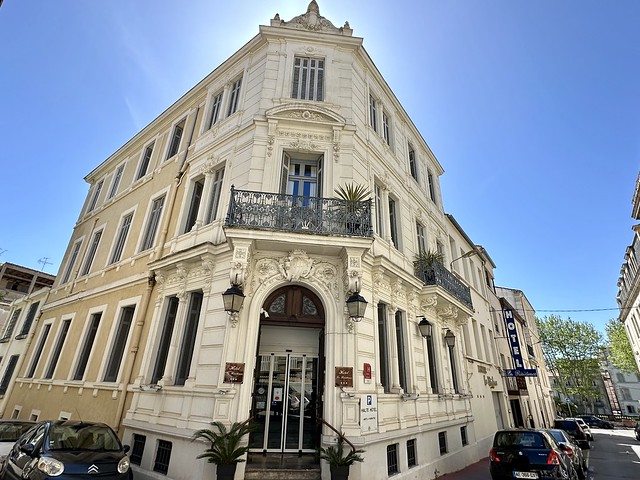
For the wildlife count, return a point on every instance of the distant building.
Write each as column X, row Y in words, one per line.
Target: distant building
column 623, row 389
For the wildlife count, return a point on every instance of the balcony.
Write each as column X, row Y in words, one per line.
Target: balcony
column 294, row 213
column 436, row 274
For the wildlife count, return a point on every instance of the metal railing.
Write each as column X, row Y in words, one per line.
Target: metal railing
column 294, row 213
column 437, row 274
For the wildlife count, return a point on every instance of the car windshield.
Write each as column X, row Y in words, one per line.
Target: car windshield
column 11, row 431
column 558, row 435
column 82, row 437
column 520, row 439
column 566, row 425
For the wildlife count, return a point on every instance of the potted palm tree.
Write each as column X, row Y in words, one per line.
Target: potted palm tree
column 225, row 449
column 354, row 195
column 339, row 463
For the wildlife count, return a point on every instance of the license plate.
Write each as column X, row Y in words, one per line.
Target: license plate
column 525, row 474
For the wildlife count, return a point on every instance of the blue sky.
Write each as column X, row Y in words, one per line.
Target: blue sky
column 532, row 108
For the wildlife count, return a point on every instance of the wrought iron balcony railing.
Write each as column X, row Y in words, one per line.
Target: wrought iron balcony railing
column 437, row 274
column 294, row 213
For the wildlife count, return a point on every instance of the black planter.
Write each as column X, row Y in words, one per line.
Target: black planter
column 226, row 472
column 339, row 472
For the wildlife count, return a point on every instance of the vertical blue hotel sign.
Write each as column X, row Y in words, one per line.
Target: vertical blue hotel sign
column 512, row 334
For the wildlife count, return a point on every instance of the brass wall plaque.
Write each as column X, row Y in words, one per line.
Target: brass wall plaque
column 344, row 376
column 233, row 372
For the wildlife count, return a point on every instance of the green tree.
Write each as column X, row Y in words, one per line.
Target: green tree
column 572, row 351
column 620, row 351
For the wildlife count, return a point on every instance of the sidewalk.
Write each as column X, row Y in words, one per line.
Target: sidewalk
column 475, row 471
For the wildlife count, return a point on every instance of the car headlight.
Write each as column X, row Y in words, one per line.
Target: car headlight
column 124, row 464
column 50, row 466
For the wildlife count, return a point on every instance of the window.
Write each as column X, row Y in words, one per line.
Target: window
column 386, row 128
column 38, row 351
column 71, row 262
column 383, row 347
column 373, row 113
column 119, row 342
column 433, row 370
column 214, row 196
column 393, row 223
column 8, row 373
column 122, row 238
column 411, row 453
column 116, row 181
column 402, row 349
column 378, row 195
column 165, row 339
column 57, row 350
column 308, row 79
column 138, row 448
column 413, row 167
column 302, row 175
column 432, row 187
column 144, row 163
column 392, row 459
column 152, row 223
column 163, row 457
column 176, row 137
column 214, row 112
column 8, row 331
column 454, row 372
column 93, row 248
column 194, row 205
column 31, row 315
column 422, row 239
column 234, row 99
column 463, row 436
column 442, row 442
column 94, row 197
column 189, row 338
column 87, row 346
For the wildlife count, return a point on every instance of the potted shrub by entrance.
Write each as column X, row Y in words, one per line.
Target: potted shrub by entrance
column 339, row 463
column 225, row 450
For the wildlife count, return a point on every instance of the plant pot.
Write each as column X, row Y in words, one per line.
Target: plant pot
column 226, row 471
column 339, row 472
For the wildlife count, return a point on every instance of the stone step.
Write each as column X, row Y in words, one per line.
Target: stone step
column 282, row 474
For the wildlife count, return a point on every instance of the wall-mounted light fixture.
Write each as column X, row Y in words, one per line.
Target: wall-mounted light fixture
column 233, row 299
column 426, row 329
column 450, row 339
column 357, row 306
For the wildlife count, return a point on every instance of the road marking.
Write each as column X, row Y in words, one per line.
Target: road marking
column 634, row 448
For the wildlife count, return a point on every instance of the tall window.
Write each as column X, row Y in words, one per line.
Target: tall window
column 176, row 137
column 8, row 331
column 411, row 453
column 463, row 436
column 31, row 315
column 137, row 450
column 392, row 459
column 454, row 369
column 87, row 346
column 144, row 163
column 91, row 253
column 117, row 176
column 122, row 238
column 165, row 339
column 422, row 239
column 401, row 344
column 433, row 369
column 432, row 187
column 413, row 167
column 378, row 195
column 189, row 338
column 442, row 442
column 214, row 113
column 302, row 175
column 393, row 223
column 163, row 457
column 194, row 204
column 57, row 350
column 308, row 79
column 119, row 342
column 38, row 351
column 152, row 223
column 373, row 113
column 386, row 128
column 383, row 348
column 234, row 99
column 71, row 262
column 214, row 196
column 95, row 196
column 8, row 373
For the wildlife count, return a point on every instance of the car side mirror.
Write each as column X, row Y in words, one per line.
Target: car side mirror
column 28, row 448
column 563, row 446
column 126, row 448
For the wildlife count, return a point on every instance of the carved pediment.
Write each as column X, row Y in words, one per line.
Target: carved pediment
column 299, row 112
column 312, row 21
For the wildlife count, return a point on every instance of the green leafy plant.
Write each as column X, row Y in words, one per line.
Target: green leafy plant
column 335, row 454
column 352, row 192
column 225, row 446
column 428, row 258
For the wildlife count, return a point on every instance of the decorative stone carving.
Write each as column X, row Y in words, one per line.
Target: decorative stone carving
column 306, row 115
column 296, row 265
column 313, row 21
column 270, row 141
column 327, row 274
column 448, row 313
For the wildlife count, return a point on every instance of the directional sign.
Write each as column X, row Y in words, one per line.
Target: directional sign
column 520, row 372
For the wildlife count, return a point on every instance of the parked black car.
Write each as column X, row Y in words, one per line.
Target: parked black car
column 573, row 451
column 528, row 453
column 10, row 431
column 637, row 430
column 596, row 422
column 68, row 450
column 574, row 429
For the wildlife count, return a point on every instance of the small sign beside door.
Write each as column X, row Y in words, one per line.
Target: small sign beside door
column 233, row 372
column 368, row 413
column 344, row 376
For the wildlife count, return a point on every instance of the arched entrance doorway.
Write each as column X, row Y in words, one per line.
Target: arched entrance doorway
column 289, row 375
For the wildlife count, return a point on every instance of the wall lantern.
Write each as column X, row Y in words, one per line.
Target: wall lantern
column 233, row 299
column 356, row 305
column 426, row 329
column 450, row 339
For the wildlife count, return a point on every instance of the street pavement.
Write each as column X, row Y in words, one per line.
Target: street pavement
column 475, row 471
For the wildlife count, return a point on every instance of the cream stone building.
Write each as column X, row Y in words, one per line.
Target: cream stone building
column 231, row 190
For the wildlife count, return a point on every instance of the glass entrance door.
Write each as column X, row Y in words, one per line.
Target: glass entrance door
column 285, row 403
